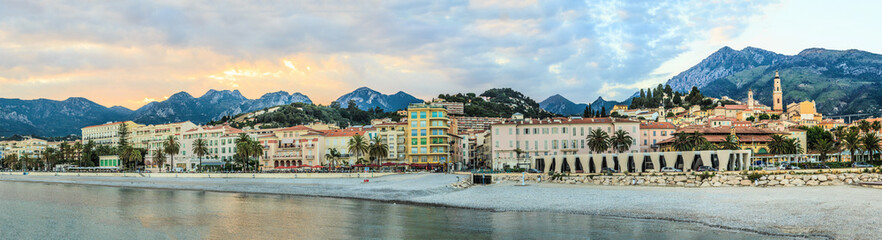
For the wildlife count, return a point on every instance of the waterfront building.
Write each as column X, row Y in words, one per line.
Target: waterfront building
column 393, row 135
column 427, row 132
column 28, row 147
column 109, row 161
column 292, row 146
column 653, row 132
column 339, row 139
column 153, row 137
column 724, row 160
column 221, row 144
column 550, row 137
column 107, row 134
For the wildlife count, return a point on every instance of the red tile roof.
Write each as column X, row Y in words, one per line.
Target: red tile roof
column 657, row 125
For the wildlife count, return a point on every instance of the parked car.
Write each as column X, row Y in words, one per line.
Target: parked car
column 706, row 169
column 608, row 170
column 670, row 169
column 788, row 167
column 861, row 165
column 533, row 170
column 822, row 166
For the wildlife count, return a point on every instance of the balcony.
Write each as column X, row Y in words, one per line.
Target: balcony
column 289, row 146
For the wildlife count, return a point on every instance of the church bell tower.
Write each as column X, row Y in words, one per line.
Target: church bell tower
column 777, row 105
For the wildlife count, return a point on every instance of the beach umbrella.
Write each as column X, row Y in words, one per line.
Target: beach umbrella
column 389, row 164
column 358, row 165
column 318, row 166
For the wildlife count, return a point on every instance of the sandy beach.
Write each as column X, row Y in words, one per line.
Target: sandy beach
column 840, row 212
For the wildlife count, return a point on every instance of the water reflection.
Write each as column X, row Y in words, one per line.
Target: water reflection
column 51, row 211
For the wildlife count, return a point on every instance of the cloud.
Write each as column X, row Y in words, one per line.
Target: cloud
column 123, row 51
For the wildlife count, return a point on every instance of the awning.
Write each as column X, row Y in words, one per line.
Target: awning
column 213, row 163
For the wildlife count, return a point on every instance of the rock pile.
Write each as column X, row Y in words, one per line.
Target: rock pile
column 718, row 180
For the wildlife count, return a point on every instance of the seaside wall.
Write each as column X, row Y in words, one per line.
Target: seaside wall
column 757, row 179
column 207, row 175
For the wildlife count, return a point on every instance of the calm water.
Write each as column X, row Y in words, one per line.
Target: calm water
column 58, row 211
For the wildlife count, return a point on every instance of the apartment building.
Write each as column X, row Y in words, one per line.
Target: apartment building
column 292, row 146
column 393, row 135
column 339, row 139
column 427, row 132
column 108, row 133
column 556, row 136
column 152, row 137
column 221, row 141
column 27, row 147
column 654, row 132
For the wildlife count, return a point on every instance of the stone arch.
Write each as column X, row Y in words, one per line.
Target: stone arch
column 565, row 166
column 579, row 167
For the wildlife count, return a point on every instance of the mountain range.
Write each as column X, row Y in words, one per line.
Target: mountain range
column 560, row 105
column 839, row 81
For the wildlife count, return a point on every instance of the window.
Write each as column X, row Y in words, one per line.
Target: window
column 653, row 133
column 563, row 130
column 422, row 132
column 546, row 146
column 574, row 131
column 517, row 144
column 422, row 114
column 664, row 133
column 413, row 123
column 413, row 141
column 509, row 131
column 526, row 131
column 413, row 133
column 510, row 144
column 535, row 144
column 553, row 144
column 535, row 130
column 644, row 142
column 422, row 141
column 413, row 150
column 497, row 143
column 582, row 131
column 554, row 130
column 422, row 123
column 423, row 150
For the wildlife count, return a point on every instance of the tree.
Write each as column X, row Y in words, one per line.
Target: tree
column 332, row 155
column 824, row 147
column 764, row 116
column 681, row 142
column 50, row 157
column 135, row 157
column 159, row 158
column 696, row 139
column 775, row 116
column 247, row 148
column 357, row 145
column 598, row 140
column 731, row 143
column 603, row 111
column 816, row 133
column 670, row 115
column 171, row 148
column 200, row 148
column 378, row 149
column 78, row 151
column 864, row 126
column 64, row 151
column 621, row 141
column 750, row 119
column 876, row 126
column 871, row 144
column 778, row 144
column 851, row 141
column 123, row 133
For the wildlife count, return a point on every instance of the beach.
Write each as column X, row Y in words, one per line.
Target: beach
column 840, row 212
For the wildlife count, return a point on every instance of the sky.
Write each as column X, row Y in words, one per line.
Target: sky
column 130, row 53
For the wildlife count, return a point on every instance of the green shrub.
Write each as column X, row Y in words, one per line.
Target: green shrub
column 754, row 176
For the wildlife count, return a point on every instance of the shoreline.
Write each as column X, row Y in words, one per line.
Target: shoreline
column 413, row 196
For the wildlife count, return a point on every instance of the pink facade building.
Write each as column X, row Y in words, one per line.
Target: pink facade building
column 548, row 137
column 653, row 132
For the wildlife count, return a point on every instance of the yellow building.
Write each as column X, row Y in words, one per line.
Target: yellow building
column 804, row 113
column 107, row 134
column 27, row 147
column 427, row 132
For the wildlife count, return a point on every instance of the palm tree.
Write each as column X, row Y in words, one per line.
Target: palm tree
column 200, row 148
column 378, row 149
column 681, row 142
column 64, row 150
column 48, row 158
column 876, row 126
column 824, row 147
column 621, row 141
column 871, row 144
column 78, row 151
column 125, row 155
column 706, row 146
column 358, row 145
column 332, row 155
column 598, row 140
column 159, row 158
column 731, row 143
column 778, row 144
column 696, row 139
column 171, row 148
column 135, row 157
column 851, row 141
column 864, row 126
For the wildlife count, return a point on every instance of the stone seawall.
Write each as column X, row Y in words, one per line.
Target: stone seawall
column 757, row 179
column 206, row 175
